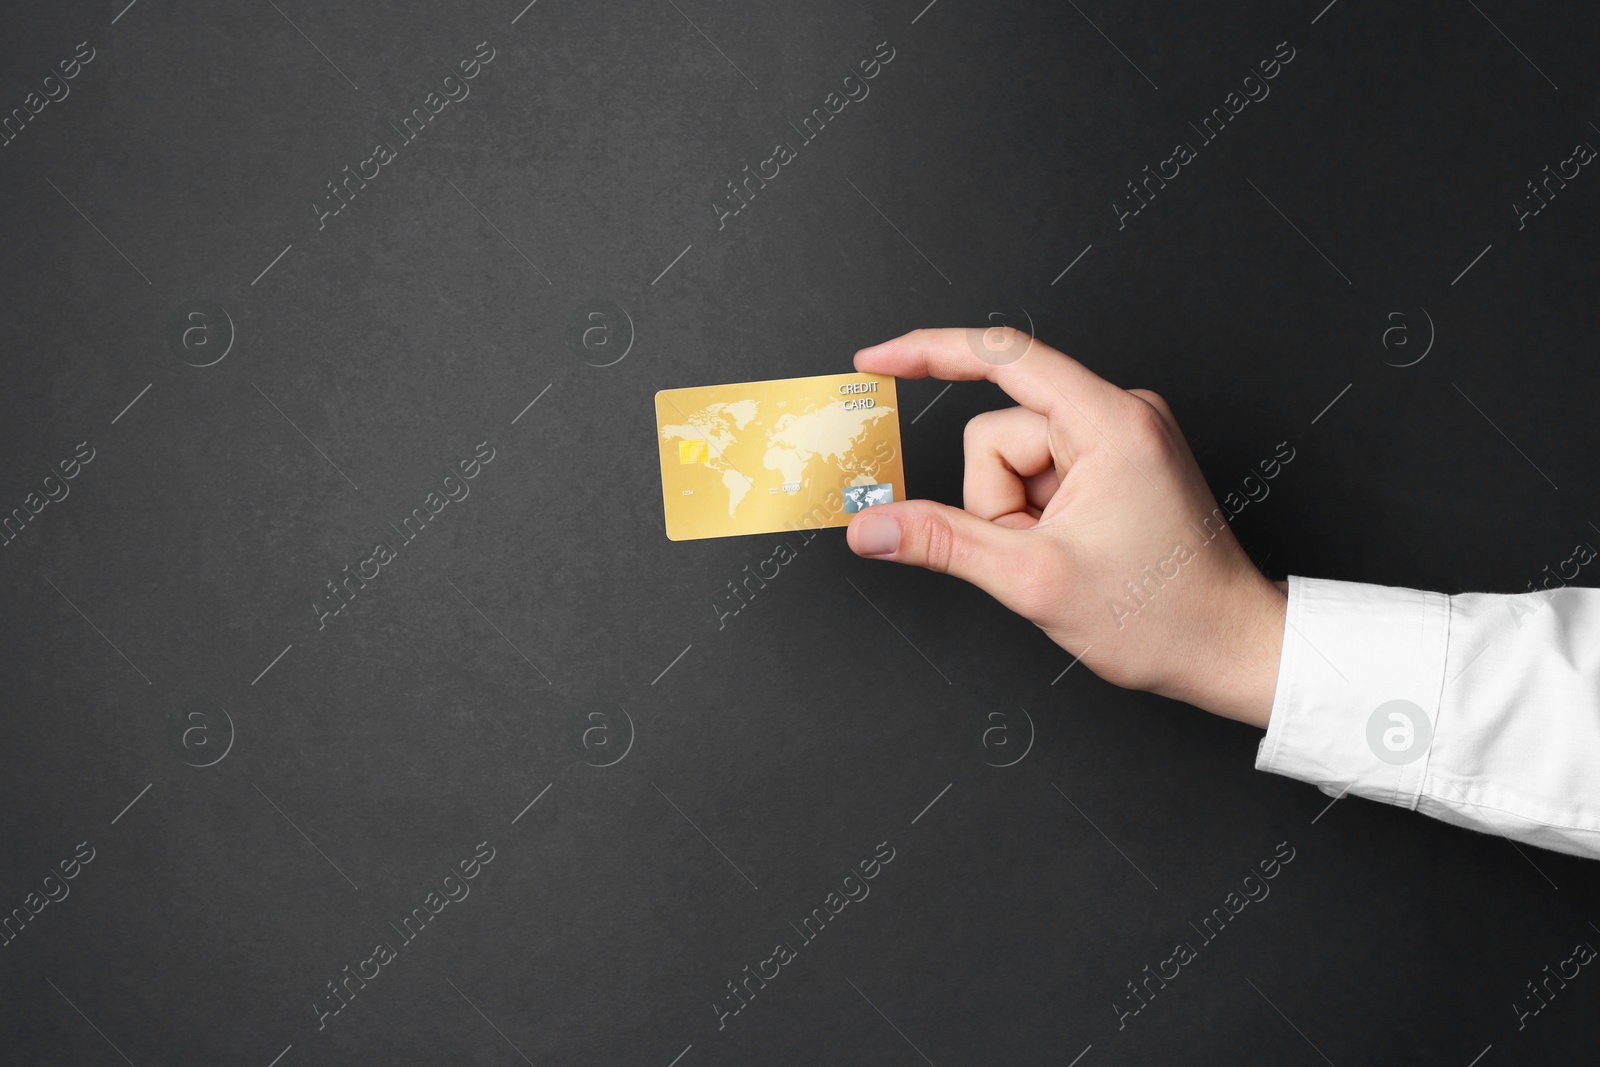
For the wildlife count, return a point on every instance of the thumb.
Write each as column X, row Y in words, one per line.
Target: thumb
column 948, row 540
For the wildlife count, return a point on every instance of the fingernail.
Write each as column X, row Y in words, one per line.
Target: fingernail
column 876, row 535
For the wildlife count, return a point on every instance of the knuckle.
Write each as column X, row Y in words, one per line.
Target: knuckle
column 1154, row 399
column 978, row 427
column 938, row 543
column 1147, row 425
column 1145, row 439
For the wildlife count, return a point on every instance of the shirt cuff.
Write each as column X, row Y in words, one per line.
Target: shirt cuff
column 1360, row 662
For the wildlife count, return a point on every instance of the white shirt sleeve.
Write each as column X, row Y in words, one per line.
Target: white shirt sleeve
column 1482, row 710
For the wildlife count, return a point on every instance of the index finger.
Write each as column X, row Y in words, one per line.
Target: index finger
column 1042, row 380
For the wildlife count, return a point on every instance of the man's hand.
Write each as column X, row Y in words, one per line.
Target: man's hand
column 1086, row 514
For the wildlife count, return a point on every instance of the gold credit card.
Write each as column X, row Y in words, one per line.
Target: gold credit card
column 791, row 454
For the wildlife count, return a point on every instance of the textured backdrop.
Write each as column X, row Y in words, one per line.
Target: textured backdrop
column 279, row 276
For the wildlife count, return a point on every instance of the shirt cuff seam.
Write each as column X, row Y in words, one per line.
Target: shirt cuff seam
column 1564, row 820
column 1442, row 642
column 1288, row 665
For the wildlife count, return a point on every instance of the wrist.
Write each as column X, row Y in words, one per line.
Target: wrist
column 1240, row 647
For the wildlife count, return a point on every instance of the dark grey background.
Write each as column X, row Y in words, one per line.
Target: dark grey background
column 377, row 352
